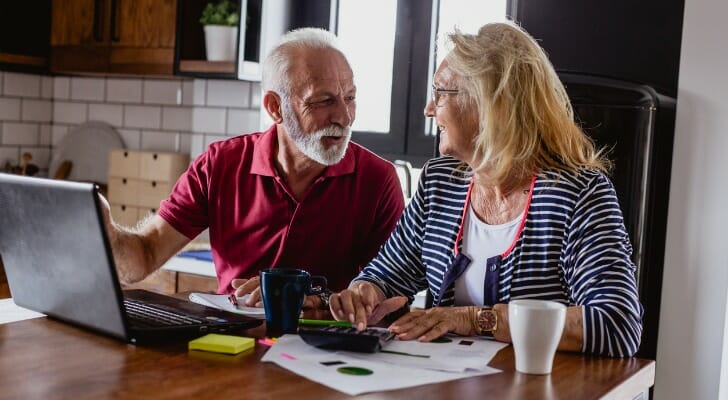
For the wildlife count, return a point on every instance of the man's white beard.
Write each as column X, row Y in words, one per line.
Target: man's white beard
column 311, row 145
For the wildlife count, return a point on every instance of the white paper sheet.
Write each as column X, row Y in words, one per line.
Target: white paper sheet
column 457, row 355
column 221, row 301
column 324, row 367
column 10, row 312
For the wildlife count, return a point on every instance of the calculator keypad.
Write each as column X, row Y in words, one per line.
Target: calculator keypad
column 369, row 340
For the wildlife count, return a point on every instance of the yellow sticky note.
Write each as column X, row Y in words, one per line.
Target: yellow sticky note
column 222, row 343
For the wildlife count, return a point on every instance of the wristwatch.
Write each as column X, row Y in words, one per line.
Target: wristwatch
column 486, row 321
column 324, row 297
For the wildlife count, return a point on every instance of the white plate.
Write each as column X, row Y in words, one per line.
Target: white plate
column 87, row 147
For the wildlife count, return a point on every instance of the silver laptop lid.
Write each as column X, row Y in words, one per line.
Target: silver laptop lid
column 56, row 252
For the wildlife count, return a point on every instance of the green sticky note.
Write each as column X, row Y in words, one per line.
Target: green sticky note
column 222, row 343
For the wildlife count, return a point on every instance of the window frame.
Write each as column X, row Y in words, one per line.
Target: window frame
column 416, row 26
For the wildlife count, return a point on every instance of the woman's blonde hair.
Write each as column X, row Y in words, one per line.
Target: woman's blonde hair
column 526, row 120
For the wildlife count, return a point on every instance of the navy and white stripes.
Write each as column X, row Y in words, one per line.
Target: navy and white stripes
column 573, row 249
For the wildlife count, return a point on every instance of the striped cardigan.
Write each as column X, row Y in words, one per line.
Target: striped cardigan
column 573, row 249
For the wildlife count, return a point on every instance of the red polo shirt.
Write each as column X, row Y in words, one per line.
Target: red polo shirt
column 233, row 188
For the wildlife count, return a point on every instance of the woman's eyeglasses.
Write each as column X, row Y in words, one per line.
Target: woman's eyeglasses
column 438, row 92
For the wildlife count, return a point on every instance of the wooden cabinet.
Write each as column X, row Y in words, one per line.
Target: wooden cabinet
column 143, row 36
column 113, row 36
column 24, row 35
column 139, row 180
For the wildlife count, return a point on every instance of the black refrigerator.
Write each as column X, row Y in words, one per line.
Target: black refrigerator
column 619, row 61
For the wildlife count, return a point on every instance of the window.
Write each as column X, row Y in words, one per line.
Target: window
column 391, row 46
column 373, row 79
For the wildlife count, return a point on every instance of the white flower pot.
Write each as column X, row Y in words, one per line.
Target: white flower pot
column 220, row 42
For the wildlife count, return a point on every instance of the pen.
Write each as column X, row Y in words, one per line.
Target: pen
column 321, row 322
column 233, row 300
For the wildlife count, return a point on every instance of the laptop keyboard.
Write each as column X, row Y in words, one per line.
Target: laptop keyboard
column 148, row 315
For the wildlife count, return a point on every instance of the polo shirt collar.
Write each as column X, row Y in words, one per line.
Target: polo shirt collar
column 265, row 153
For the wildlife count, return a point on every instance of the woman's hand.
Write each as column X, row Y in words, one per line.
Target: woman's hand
column 428, row 325
column 362, row 304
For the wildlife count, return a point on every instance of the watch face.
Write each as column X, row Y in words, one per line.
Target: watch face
column 486, row 320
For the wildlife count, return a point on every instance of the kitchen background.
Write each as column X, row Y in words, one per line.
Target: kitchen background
column 177, row 115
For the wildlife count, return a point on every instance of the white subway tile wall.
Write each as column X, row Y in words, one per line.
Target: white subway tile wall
column 9, row 155
column 21, row 85
column 176, row 118
column 61, row 88
column 162, row 92
column 132, row 138
column 228, row 94
column 37, row 110
column 90, row 89
column 112, row 114
column 23, row 111
column 143, row 117
column 188, row 88
column 159, row 141
column 69, row 113
column 197, row 145
column 46, row 87
column 241, row 121
column 57, row 133
column 20, row 133
column 184, row 144
column 208, row 120
column 199, row 92
column 178, row 115
column 255, row 95
column 10, row 109
column 124, row 90
column 45, row 135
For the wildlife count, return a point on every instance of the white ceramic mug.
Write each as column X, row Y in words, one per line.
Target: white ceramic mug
column 536, row 327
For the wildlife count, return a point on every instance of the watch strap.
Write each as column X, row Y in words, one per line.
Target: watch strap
column 324, row 297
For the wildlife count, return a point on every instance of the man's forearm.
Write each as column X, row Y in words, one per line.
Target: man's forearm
column 141, row 250
column 133, row 256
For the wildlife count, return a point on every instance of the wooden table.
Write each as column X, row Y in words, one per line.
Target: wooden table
column 45, row 359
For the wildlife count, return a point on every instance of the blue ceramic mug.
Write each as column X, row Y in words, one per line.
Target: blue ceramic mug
column 283, row 291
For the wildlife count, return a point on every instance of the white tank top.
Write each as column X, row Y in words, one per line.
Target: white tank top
column 480, row 242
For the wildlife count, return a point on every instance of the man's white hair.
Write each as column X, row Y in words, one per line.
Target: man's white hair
column 278, row 62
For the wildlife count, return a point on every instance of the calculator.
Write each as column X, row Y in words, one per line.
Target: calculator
column 370, row 340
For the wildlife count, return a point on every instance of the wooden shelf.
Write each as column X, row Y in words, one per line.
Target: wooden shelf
column 23, row 59
column 203, row 66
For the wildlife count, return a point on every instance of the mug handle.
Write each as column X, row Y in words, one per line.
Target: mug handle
column 317, row 289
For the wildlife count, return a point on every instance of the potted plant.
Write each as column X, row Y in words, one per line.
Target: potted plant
column 220, row 21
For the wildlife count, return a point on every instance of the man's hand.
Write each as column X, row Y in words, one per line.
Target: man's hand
column 252, row 286
column 248, row 286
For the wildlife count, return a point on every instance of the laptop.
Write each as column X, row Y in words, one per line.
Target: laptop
column 58, row 261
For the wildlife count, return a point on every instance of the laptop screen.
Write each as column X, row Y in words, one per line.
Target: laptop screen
column 56, row 254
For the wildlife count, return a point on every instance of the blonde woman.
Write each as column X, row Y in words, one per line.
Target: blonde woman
column 519, row 206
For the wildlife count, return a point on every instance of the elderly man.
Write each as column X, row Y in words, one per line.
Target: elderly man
column 297, row 195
